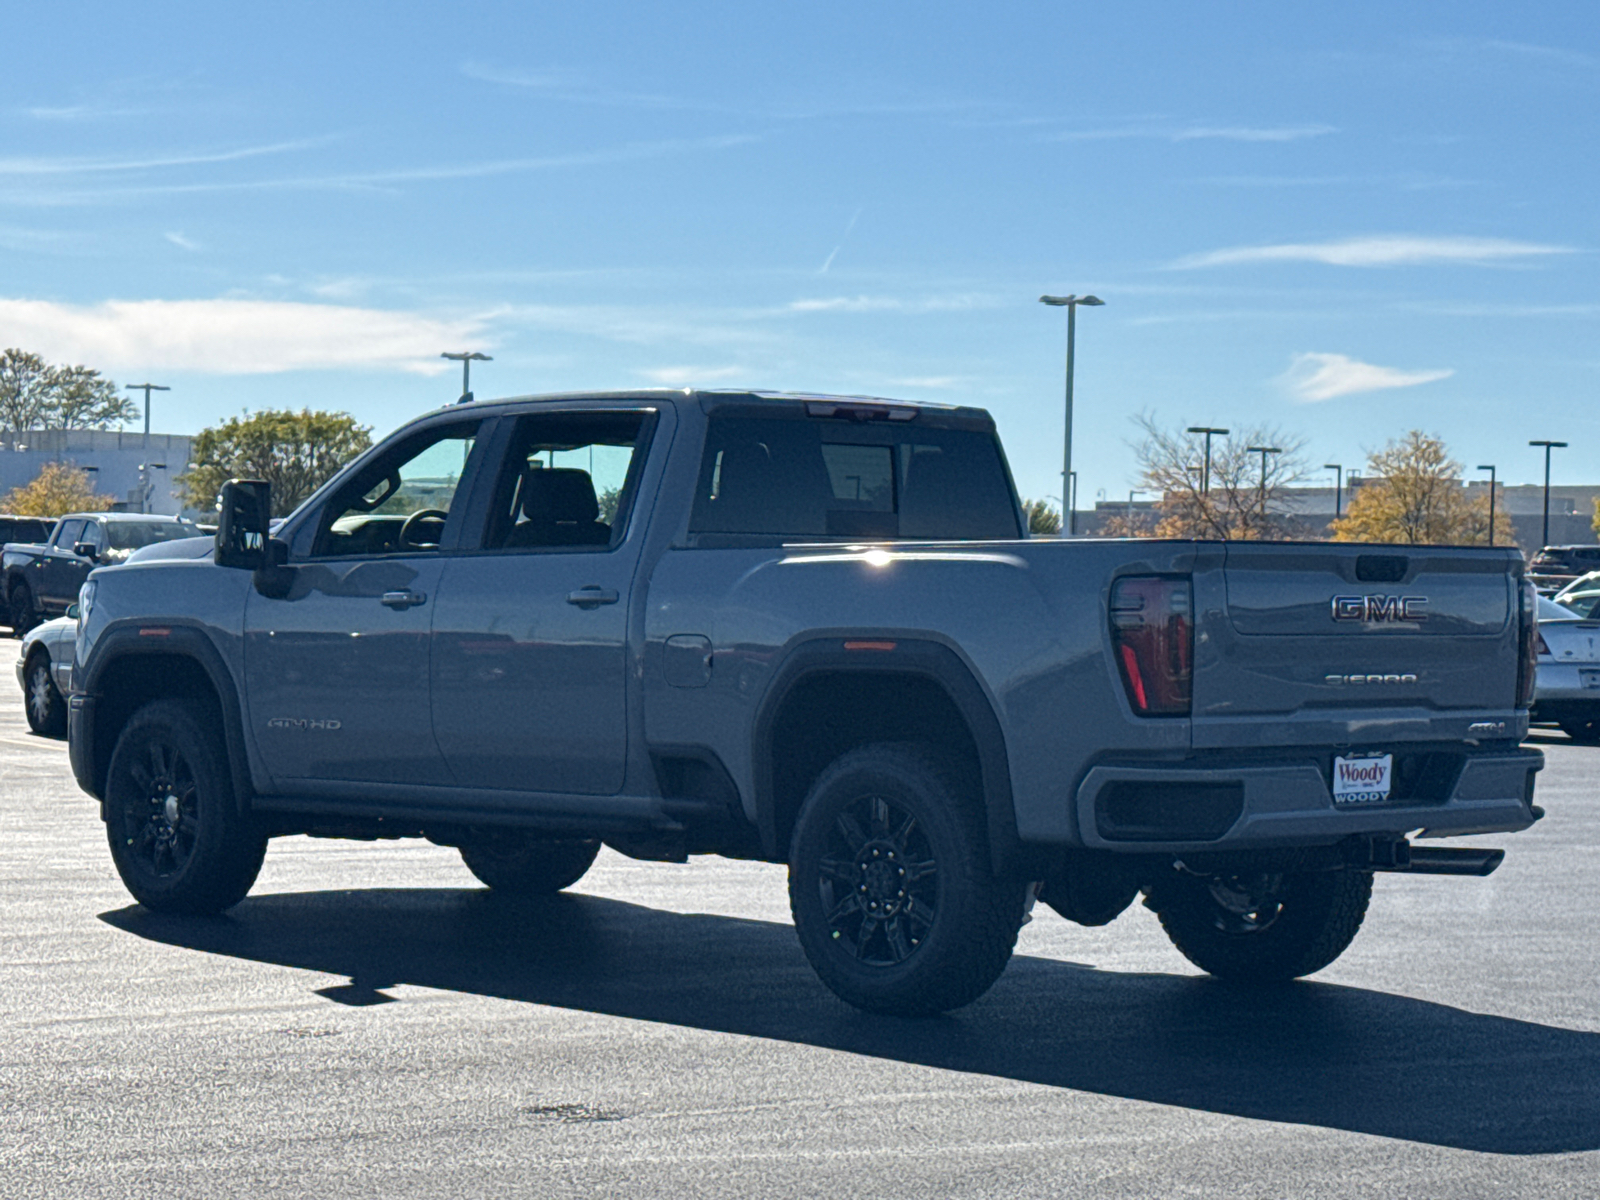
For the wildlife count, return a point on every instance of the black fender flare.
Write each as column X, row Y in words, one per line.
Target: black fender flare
column 134, row 638
column 910, row 656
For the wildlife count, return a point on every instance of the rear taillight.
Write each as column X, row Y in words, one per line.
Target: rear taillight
column 1153, row 638
column 1529, row 644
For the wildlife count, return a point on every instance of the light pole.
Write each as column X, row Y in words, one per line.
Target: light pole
column 1338, row 487
column 1544, row 538
column 1263, row 451
column 1490, row 469
column 1205, row 475
column 1070, row 303
column 146, row 388
column 466, row 358
column 1132, row 492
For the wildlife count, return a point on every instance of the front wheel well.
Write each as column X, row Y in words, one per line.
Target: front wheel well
column 128, row 683
column 827, row 713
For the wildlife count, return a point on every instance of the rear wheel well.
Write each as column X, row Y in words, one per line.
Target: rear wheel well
column 129, row 683
column 829, row 712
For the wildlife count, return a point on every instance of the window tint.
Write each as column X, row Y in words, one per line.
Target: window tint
column 71, row 533
column 567, row 481
column 398, row 503
column 823, row 478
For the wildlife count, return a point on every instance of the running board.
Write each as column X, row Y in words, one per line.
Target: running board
column 1443, row 860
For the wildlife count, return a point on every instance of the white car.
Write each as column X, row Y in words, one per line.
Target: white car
column 1567, row 686
column 44, row 669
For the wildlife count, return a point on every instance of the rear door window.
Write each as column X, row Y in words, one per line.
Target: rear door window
column 804, row 478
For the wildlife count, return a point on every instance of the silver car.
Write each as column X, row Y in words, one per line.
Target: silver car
column 1568, row 680
column 44, row 669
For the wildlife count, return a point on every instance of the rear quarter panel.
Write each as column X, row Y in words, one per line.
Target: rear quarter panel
column 1027, row 617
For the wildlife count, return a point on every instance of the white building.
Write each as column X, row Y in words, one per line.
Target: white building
column 138, row 475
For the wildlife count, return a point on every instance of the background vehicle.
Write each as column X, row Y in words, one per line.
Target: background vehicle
column 805, row 630
column 1568, row 685
column 44, row 669
column 23, row 529
column 1555, row 567
column 42, row 579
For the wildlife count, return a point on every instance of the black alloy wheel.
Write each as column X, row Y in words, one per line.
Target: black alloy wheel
column 45, row 706
column 891, row 887
column 177, row 836
column 1261, row 927
column 162, row 812
column 879, row 881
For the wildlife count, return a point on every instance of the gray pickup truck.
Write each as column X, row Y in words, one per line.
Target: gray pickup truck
column 805, row 630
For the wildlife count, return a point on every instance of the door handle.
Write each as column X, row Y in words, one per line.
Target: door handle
column 592, row 597
column 403, row 599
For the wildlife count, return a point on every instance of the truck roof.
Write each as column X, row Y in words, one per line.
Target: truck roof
column 716, row 397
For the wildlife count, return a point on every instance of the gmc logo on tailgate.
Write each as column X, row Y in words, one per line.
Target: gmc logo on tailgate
column 1379, row 608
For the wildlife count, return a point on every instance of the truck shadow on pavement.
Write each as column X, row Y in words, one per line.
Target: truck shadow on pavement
column 1314, row 1054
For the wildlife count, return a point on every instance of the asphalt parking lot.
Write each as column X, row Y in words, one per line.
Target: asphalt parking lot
column 371, row 1023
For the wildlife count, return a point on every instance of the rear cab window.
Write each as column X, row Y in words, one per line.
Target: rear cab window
column 783, row 472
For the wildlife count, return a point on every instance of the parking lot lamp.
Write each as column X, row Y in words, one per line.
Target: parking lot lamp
column 1205, row 474
column 466, row 358
column 1338, row 487
column 1070, row 303
column 146, row 388
column 1263, row 451
column 1544, row 538
column 1490, row 469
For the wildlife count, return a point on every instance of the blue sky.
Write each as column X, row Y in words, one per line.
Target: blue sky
column 1345, row 220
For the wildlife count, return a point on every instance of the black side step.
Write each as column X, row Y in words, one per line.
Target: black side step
column 1445, row 860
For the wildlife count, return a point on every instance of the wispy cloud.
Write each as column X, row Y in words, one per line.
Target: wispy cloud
column 183, row 243
column 235, row 337
column 691, row 376
column 576, row 87
column 81, row 112
column 1194, row 132
column 843, row 238
column 863, row 304
column 366, row 180
column 1378, row 251
column 89, row 166
column 1404, row 183
column 1315, row 377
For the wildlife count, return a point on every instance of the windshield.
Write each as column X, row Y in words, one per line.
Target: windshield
column 124, row 537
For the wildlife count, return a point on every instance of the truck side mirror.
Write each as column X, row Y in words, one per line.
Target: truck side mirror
column 86, row 550
column 242, row 524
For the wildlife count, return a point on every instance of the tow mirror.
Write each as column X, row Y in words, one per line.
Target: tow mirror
column 86, row 550
column 242, row 523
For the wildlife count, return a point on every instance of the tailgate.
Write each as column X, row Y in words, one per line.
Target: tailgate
column 1338, row 644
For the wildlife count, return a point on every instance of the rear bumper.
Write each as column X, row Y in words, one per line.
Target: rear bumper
column 80, row 742
column 1254, row 805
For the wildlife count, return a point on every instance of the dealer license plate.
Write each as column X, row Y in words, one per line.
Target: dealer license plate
column 1362, row 778
column 1589, row 679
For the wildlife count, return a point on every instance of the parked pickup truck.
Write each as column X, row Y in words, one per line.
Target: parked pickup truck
column 805, row 630
column 43, row 578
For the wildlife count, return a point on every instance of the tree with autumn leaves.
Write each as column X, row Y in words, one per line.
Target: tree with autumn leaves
column 1414, row 496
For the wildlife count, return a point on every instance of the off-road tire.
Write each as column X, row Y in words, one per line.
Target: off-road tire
column 177, row 836
column 20, row 610
column 1317, row 914
column 1585, row 731
column 529, row 866
column 905, row 961
column 42, row 701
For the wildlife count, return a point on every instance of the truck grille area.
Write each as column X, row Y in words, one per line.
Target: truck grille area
column 1129, row 810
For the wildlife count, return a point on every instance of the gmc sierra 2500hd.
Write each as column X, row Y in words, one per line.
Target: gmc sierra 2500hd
column 807, row 630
